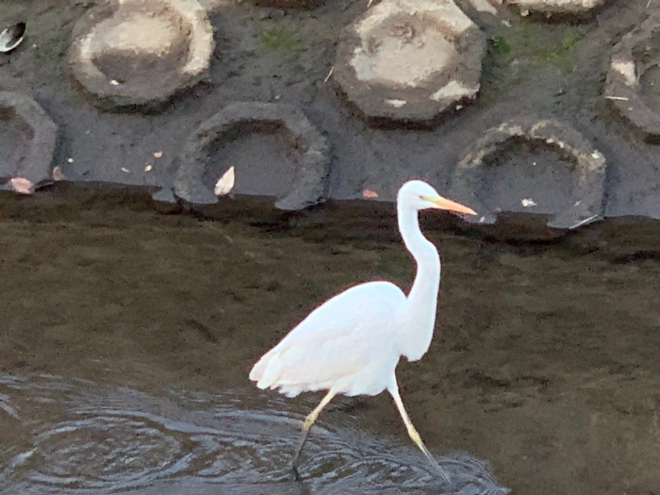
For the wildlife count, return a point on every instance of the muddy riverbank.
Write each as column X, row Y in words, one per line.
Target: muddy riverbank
column 544, row 360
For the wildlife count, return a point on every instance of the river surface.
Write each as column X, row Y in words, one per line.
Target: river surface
column 127, row 337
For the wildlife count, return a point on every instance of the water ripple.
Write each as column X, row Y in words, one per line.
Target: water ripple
column 105, row 451
column 84, row 439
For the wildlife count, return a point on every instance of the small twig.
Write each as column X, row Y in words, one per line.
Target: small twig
column 586, row 220
column 327, row 78
column 618, row 98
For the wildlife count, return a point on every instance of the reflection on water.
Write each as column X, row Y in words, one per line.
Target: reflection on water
column 81, row 438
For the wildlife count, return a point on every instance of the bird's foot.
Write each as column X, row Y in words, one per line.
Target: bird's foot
column 441, row 472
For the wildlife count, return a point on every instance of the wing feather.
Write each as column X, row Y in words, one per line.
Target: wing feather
column 336, row 340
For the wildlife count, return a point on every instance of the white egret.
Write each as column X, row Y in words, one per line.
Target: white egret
column 352, row 343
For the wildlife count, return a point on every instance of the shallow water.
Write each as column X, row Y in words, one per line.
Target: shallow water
column 79, row 437
column 128, row 336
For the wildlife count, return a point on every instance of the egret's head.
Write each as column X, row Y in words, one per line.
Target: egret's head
column 418, row 195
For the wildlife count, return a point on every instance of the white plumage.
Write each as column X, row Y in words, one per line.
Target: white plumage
column 341, row 330
column 352, row 343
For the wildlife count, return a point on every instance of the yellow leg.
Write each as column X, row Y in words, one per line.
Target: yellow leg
column 412, row 432
column 309, row 421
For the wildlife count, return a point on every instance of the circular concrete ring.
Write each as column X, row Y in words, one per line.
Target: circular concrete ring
column 289, row 4
column 28, row 115
column 589, row 169
column 622, row 87
column 139, row 53
column 312, row 150
column 409, row 61
column 570, row 7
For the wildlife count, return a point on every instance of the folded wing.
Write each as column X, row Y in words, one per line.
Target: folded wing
column 345, row 343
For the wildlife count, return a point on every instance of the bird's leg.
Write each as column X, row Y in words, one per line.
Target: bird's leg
column 309, row 421
column 412, row 432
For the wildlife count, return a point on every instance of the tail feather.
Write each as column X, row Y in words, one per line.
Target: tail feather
column 270, row 368
column 260, row 368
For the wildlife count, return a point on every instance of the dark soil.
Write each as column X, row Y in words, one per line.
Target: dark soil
column 544, row 359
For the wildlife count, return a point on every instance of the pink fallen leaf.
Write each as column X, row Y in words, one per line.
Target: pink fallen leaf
column 225, row 183
column 58, row 175
column 22, row 185
column 369, row 194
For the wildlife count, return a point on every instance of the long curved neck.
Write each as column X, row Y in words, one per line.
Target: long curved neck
column 423, row 297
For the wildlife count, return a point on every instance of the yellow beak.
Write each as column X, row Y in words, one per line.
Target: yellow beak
column 447, row 204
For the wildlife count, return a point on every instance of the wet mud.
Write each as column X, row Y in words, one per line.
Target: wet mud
column 531, row 165
column 14, row 143
column 544, row 360
column 267, row 166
